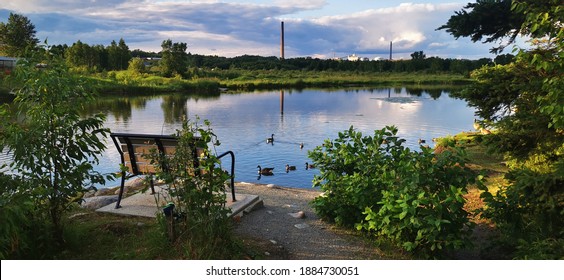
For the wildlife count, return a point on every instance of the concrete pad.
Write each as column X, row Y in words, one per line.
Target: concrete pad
column 145, row 204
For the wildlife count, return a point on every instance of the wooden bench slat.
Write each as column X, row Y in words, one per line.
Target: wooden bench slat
column 134, row 148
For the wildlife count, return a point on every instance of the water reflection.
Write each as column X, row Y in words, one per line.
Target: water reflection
column 243, row 121
column 174, row 107
column 119, row 108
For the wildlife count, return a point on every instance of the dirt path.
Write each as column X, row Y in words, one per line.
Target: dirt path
column 282, row 236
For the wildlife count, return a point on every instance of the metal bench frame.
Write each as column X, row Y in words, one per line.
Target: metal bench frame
column 121, row 139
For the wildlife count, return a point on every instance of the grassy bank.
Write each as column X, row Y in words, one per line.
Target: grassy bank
column 214, row 81
column 205, row 81
column 299, row 79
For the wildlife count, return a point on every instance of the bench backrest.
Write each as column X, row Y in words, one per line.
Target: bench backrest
column 134, row 148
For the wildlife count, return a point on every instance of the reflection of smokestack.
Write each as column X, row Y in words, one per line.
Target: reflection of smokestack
column 390, row 50
column 282, row 102
column 282, row 40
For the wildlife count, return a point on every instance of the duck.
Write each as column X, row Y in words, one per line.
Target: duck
column 309, row 166
column 301, row 145
column 265, row 171
column 270, row 139
column 290, row 167
column 421, row 141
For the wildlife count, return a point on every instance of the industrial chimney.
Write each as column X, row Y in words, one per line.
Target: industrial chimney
column 282, row 40
column 390, row 50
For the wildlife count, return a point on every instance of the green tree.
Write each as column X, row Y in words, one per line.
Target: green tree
column 113, row 56
column 53, row 148
column 504, row 59
column 418, row 55
column 523, row 101
column 17, row 36
column 124, row 55
column 174, row 58
column 136, row 65
column 59, row 50
column 82, row 56
column 487, row 20
column 118, row 55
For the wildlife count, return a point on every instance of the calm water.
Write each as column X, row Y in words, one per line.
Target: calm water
column 242, row 123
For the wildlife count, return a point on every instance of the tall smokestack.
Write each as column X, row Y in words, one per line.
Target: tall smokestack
column 282, row 40
column 390, row 50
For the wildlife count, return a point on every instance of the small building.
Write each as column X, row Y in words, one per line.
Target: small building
column 7, row 64
column 151, row 61
column 353, row 57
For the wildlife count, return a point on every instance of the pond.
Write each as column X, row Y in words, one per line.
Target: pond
column 243, row 122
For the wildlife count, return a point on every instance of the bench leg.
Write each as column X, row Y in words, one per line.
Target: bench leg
column 152, row 186
column 121, row 190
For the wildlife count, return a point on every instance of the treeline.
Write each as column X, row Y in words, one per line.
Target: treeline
column 17, row 39
column 431, row 65
column 117, row 56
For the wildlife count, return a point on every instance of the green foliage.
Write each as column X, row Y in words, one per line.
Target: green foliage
column 413, row 198
column 26, row 232
column 80, row 55
column 174, row 58
column 136, row 65
column 14, row 218
column 196, row 184
column 53, row 149
column 531, row 207
column 523, row 101
column 543, row 249
column 489, row 19
column 118, row 55
column 17, row 36
column 420, row 55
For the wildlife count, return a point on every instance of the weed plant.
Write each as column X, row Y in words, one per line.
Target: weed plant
column 195, row 217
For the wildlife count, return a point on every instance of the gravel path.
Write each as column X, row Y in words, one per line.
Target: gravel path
column 273, row 229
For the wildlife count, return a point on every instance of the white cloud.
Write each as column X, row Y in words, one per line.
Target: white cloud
column 300, row 4
column 244, row 27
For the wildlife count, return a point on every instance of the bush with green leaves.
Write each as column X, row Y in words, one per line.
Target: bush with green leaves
column 195, row 182
column 136, row 66
column 522, row 101
column 414, row 198
column 530, row 211
column 15, row 211
column 53, row 149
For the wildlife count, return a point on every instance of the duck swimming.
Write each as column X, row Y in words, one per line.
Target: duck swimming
column 265, row 171
column 290, row 167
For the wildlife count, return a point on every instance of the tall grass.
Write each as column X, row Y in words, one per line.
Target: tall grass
column 239, row 80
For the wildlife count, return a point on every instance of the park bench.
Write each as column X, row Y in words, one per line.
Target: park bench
column 132, row 149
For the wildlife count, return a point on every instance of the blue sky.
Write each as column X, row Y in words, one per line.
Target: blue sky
column 317, row 28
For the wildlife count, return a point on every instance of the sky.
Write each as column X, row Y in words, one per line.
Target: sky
column 316, row 28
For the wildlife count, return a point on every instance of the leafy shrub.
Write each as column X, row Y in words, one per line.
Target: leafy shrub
column 351, row 173
column 196, row 184
column 543, row 249
column 25, row 232
column 53, row 148
column 136, row 66
column 530, row 211
column 413, row 198
column 13, row 218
